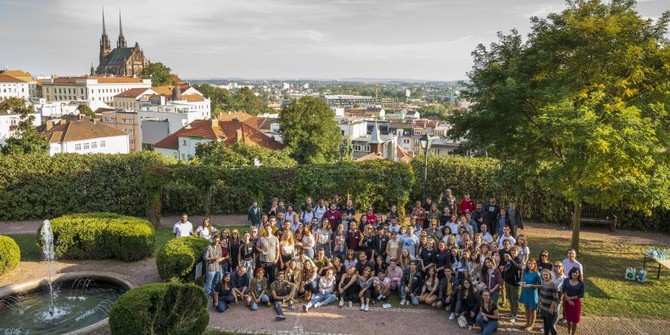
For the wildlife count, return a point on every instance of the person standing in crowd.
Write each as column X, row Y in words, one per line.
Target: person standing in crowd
column 268, row 252
column 213, row 258
column 467, row 205
column 393, row 214
column 348, row 214
column 549, row 301
column 334, row 216
column 543, row 262
column 486, row 236
column 307, row 241
column 320, row 210
column 490, row 213
column 393, row 247
column 339, row 242
column 478, row 215
column 559, row 278
column 571, row 262
column 487, row 319
column 515, row 218
column 254, row 215
column 234, row 243
column 282, row 291
column 502, row 221
column 323, row 237
column 448, row 200
column 183, row 228
column 379, row 243
column 529, row 296
column 512, row 275
column 573, row 292
column 286, row 249
column 206, row 230
column 274, row 207
column 506, row 236
column 247, row 254
column 492, row 279
column 409, row 241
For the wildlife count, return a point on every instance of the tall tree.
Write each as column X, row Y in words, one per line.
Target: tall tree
column 583, row 104
column 218, row 154
column 26, row 139
column 87, row 111
column 158, row 73
column 309, row 129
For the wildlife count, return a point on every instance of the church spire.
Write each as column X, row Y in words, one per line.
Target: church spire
column 104, row 28
column 105, row 45
column 121, row 43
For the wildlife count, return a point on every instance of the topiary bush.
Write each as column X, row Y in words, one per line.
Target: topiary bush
column 102, row 235
column 10, row 254
column 160, row 308
column 178, row 257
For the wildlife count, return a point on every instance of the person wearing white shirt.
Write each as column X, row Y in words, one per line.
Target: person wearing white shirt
column 183, row 228
column 486, row 236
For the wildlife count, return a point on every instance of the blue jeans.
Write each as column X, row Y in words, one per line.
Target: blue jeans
column 224, row 302
column 404, row 295
column 495, row 296
column 488, row 327
column 324, row 299
column 210, row 281
column 264, row 299
column 249, row 264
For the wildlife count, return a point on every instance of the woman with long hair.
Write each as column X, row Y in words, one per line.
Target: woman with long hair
column 347, row 289
column 350, row 260
column 223, row 293
column 308, row 241
column 323, row 237
column 430, row 287
column 524, row 250
column 573, row 292
column 246, row 254
column 258, row 290
column 393, row 247
column 286, row 248
column 543, row 261
column 206, row 230
column 234, row 244
column 559, row 278
column 487, row 319
column 339, row 241
column 419, row 213
column 405, row 259
column 492, row 278
column 467, row 301
column 364, row 283
column 529, row 292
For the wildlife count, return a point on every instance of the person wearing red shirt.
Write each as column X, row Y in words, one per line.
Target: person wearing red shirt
column 333, row 215
column 466, row 205
column 370, row 217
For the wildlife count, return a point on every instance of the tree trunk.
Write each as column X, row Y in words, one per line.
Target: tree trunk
column 576, row 216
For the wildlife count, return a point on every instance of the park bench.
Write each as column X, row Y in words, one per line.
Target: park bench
column 661, row 262
column 595, row 215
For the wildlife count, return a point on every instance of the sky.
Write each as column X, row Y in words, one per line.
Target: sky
column 288, row 39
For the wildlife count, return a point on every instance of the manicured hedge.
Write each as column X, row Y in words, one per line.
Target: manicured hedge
column 10, row 254
column 102, row 235
column 43, row 187
column 160, row 308
column 178, row 257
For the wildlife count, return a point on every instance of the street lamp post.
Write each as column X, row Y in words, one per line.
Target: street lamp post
column 425, row 142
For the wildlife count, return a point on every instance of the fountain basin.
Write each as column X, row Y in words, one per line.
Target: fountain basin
column 82, row 304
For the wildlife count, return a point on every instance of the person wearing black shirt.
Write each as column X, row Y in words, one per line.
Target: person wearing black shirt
column 512, row 277
column 490, row 214
column 379, row 242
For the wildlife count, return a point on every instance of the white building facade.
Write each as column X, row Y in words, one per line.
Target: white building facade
column 96, row 92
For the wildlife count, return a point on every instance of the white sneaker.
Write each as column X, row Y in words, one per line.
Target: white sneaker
column 367, row 307
column 362, row 306
column 350, row 304
column 341, row 303
column 512, row 319
column 402, row 302
column 452, row 316
column 305, row 308
column 317, row 305
column 380, row 297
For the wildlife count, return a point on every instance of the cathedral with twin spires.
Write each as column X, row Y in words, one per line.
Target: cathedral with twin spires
column 122, row 60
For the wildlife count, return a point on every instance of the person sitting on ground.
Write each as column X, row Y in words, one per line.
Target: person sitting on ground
column 324, row 295
column 394, row 274
column 282, row 291
column 412, row 281
column 382, row 286
column 223, row 294
column 467, row 301
column 347, row 288
column 258, row 292
column 429, row 291
column 487, row 319
column 240, row 281
column 364, row 283
column 448, row 292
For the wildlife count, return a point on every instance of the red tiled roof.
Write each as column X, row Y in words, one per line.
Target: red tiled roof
column 9, row 79
column 226, row 131
column 134, row 93
column 192, row 98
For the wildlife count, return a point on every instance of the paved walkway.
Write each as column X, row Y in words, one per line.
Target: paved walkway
column 333, row 320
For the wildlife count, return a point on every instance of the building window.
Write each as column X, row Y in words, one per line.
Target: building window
column 94, row 145
column 102, row 144
column 184, row 143
column 77, row 147
column 86, row 146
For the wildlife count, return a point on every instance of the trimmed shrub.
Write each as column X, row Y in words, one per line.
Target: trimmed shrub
column 160, row 308
column 102, row 235
column 10, row 254
column 178, row 257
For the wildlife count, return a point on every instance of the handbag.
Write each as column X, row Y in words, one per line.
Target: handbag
column 642, row 275
column 630, row 274
column 462, row 321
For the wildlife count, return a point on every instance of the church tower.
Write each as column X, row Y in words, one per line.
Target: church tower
column 121, row 43
column 105, row 46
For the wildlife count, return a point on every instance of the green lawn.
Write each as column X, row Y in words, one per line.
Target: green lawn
column 607, row 292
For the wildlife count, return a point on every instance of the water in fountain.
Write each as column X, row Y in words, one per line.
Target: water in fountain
column 49, row 257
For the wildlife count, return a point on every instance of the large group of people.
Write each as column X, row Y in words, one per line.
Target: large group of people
column 460, row 256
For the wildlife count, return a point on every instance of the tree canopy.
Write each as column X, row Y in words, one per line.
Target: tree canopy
column 243, row 99
column 217, row 154
column 87, row 111
column 27, row 139
column 582, row 103
column 158, row 73
column 310, row 131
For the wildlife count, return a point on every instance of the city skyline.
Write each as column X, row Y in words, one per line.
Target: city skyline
column 422, row 40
